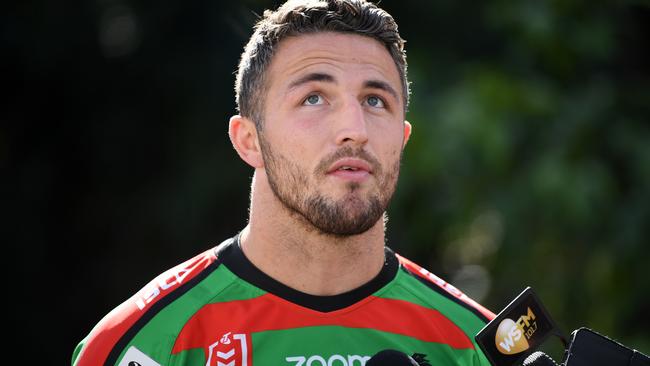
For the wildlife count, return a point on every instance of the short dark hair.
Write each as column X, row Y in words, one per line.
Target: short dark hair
column 297, row 17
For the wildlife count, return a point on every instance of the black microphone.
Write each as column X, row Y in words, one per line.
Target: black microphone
column 539, row 359
column 589, row 348
column 391, row 357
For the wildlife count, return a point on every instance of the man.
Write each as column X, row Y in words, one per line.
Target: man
column 322, row 94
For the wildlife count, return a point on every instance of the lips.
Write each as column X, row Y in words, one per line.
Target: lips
column 351, row 170
column 350, row 165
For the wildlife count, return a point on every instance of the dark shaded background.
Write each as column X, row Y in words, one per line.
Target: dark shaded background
column 529, row 163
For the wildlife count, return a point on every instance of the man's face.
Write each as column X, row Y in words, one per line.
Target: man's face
column 333, row 130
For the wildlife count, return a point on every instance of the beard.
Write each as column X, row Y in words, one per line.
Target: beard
column 350, row 215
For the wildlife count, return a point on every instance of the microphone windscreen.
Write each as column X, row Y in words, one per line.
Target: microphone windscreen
column 390, row 357
column 539, row 359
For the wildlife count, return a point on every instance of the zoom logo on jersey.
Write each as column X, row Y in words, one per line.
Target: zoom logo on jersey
column 333, row 360
column 512, row 337
column 230, row 350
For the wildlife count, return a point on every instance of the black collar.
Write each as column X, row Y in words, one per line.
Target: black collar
column 231, row 255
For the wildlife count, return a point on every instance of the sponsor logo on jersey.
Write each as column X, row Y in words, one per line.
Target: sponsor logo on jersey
column 135, row 357
column 347, row 360
column 229, row 350
column 512, row 337
column 167, row 280
column 333, row 360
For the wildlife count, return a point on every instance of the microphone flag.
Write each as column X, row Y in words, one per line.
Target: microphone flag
column 517, row 330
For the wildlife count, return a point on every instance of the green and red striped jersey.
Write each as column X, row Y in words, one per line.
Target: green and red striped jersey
column 218, row 309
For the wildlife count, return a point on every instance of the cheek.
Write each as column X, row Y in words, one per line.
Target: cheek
column 298, row 150
column 390, row 151
column 301, row 125
column 390, row 140
column 306, row 139
column 300, row 144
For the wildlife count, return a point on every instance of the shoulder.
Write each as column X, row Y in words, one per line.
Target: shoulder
column 114, row 332
column 453, row 314
column 441, row 287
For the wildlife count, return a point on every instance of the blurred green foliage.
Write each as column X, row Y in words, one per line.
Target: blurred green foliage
column 530, row 158
column 529, row 163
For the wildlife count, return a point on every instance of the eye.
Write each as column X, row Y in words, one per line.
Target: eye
column 313, row 99
column 375, row 101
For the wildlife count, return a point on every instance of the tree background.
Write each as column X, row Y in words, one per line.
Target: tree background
column 529, row 163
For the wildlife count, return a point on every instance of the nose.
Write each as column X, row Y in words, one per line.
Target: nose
column 351, row 124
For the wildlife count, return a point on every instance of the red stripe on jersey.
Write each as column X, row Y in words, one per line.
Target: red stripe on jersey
column 269, row 312
column 451, row 290
column 109, row 330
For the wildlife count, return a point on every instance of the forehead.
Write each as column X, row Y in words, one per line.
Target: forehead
column 333, row 52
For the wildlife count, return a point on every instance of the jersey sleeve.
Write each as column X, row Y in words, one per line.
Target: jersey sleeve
column 109, row 338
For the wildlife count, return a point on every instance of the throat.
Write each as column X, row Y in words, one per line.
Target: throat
column 314, row 264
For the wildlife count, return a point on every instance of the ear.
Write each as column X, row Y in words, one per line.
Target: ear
column 243, row 136
column 407, row 132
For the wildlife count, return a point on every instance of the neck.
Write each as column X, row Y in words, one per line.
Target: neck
column 286, row 247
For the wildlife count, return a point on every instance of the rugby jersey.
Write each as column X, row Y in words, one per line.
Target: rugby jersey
column 218, row 309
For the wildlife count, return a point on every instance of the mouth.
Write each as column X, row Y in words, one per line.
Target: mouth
column 350, row 169
column 350, row 165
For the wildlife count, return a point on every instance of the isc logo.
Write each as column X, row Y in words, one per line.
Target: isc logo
column 509, row 338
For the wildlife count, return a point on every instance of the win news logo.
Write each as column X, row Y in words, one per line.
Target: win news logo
column 517, row 331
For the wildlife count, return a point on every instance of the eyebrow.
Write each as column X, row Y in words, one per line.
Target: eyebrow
column 317, row 76
column 382, row 85
column 314, row 76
